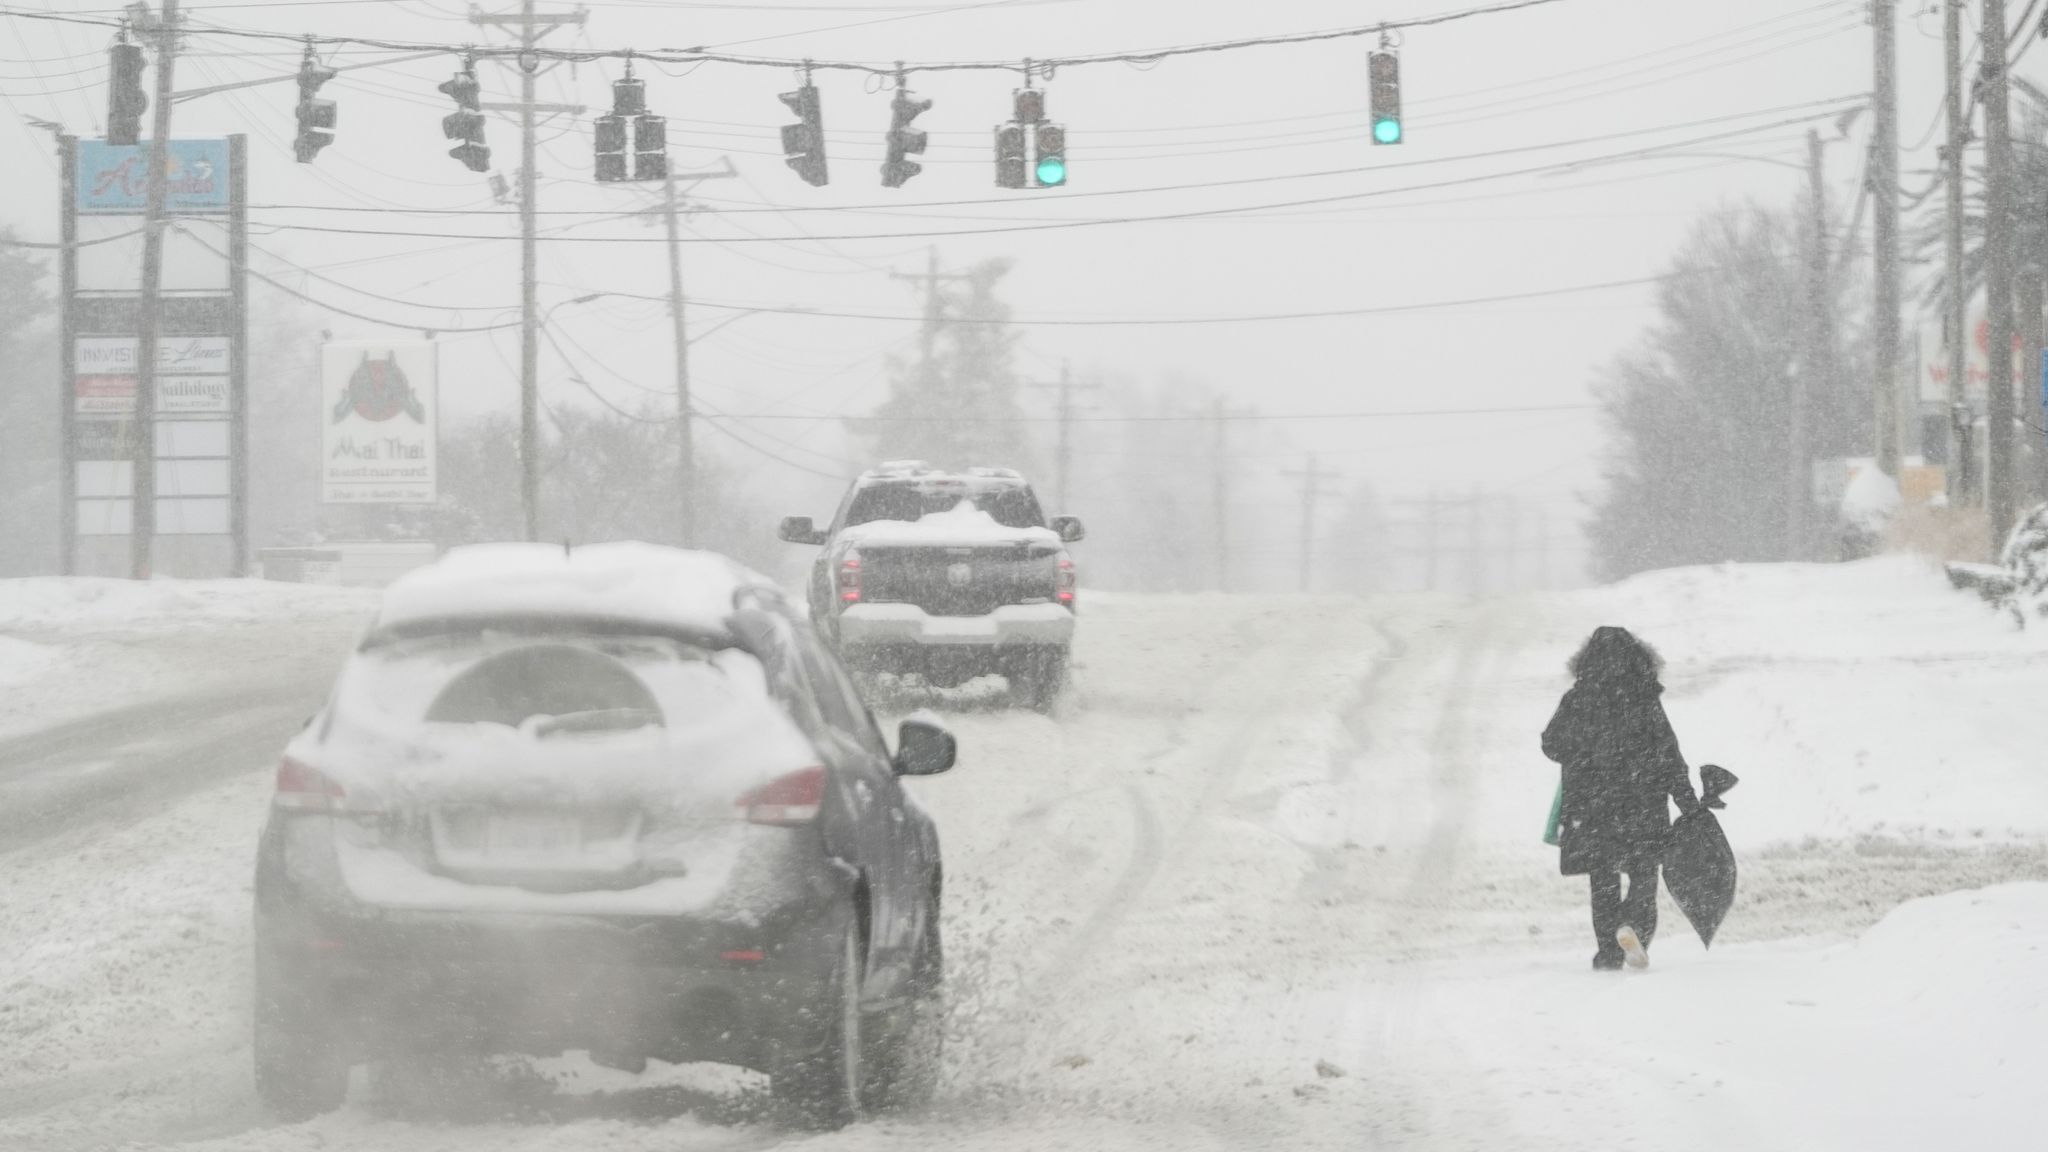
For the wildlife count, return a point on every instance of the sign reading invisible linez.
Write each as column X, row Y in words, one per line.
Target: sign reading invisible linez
column 113, row 179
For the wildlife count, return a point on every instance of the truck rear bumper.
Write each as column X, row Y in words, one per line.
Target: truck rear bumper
column 894, row 625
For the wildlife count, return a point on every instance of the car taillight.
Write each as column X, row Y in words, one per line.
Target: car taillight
column 1067, row 581
column 786, row 800
column 849, row 579
column 302, row 786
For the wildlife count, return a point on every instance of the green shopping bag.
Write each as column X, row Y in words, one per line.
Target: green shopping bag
column 1556, row 816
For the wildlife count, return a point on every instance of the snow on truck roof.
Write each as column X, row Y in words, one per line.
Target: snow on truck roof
column 625, row 581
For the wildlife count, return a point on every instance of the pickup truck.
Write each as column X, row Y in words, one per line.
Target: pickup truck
column 945, row 576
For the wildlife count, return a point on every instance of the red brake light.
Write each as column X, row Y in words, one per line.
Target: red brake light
column 786, row 800
column 300, row 785
column 1067, row 581
column 849, row 579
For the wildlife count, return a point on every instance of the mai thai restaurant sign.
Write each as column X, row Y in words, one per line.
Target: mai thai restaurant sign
column 379, row 425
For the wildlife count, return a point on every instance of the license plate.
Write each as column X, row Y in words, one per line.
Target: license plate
column 532, row 834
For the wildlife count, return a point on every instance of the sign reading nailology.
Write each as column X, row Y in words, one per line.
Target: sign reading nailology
column 379, row 425
column 114, row 178
column 192, row 375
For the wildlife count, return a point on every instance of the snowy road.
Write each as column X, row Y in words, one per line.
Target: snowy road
column 1272, row 879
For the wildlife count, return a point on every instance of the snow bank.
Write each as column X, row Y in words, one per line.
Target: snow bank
column 691, row 591
column 82, row 604
column 73, row 646
column 1853, row 700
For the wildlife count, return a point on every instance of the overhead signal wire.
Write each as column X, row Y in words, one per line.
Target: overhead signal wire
column 1059, row 225
column 1042, row 66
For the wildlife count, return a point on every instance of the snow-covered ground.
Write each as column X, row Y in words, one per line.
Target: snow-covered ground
column 1273, row 878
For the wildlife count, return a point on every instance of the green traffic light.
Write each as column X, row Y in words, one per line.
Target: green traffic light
column 1052, row 171
column 1386, row 131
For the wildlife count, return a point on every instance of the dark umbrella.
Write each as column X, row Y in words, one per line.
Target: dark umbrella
column 1699, row 867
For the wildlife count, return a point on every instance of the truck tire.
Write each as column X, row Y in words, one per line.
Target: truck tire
column 1039, row 679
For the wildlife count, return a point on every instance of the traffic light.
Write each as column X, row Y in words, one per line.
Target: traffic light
column 466, row 123
column 803, row 143
column 650, row 136
column 1383, row 70
column 316, row 117
column 611, row 148
column 650, row 147
column 903, row 140
column 1010, row 163
column 125, row 99
column 1050, row 169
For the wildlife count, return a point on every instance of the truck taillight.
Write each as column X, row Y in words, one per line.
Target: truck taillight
column 849, row 579
column 1067, row 581
column 306, row 788
column 786, row 800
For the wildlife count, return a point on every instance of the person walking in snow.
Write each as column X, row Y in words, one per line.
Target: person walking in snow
column 1620, row 761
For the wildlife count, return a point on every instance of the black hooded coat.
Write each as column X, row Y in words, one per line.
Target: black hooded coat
column 1620, row 759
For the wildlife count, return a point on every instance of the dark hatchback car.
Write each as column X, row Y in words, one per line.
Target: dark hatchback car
column 618, row 799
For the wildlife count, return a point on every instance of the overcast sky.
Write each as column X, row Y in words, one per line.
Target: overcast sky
column 1442, row 217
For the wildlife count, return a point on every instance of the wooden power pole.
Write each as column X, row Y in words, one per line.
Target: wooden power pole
column 1961, row 453
column 2002, row 479
column 1884, row 183
column 142, row 521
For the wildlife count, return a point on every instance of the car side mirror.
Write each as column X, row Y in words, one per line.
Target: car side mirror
column 798, row 530
column 924, row 747
column 1069, row 528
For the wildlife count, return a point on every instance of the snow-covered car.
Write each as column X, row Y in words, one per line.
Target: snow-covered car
column 947, row 576
column 617, row 799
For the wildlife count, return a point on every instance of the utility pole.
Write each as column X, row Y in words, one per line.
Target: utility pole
column 2002, row 479
column 686, row 444
column 934, row 305
column 686, row 447
column 1220, row 416
column 1312, row 478
column 1818, row 368
column 1961, row 453
column 531, row 28
column 1064, row 451
column 142, row 523
column 1884, row 179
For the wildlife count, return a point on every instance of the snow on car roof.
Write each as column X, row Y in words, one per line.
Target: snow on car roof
column 666, row 587
column 961, row 524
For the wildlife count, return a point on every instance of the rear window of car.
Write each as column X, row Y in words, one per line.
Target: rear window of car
column 1011, row 505
column 548, row 683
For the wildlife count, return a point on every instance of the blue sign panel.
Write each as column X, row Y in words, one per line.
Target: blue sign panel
column 114, row 178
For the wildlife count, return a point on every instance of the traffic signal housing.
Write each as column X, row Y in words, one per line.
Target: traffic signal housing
column 126, row 101
column 903, row 140
column 1383, row 71
column 316, row 116
column 649, row 146
column 1011, row 163
column 466, row 123
column 803, row 143
column 1049, row 169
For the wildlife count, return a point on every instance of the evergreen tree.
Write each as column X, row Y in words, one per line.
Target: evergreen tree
column 956, row 405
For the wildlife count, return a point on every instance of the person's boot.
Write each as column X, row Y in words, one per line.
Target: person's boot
column 1632, row 948
column 1606, row 961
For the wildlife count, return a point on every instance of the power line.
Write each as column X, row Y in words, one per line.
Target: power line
column 1045, row 66
column 1382, row 414
column 1192, row 214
